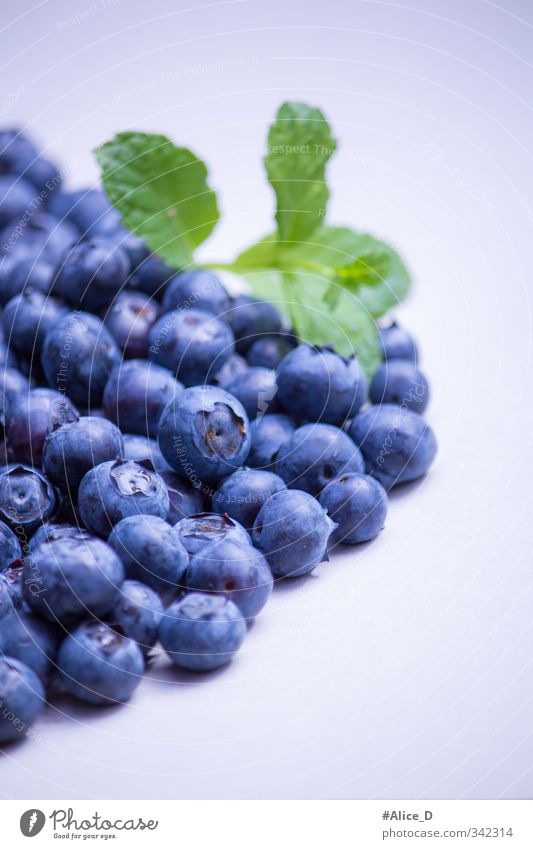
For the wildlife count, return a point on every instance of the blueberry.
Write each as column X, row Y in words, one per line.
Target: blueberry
column 314, row 455
column 12, row 385
column 152, row 552
column 242, row 494
column 31, row 416
column 78, row 356
column 200, row 289
column 185, row 500
column 137, row 393
column 91, row 274
column 139, row 448
column 42, row 237
column 315, row 384
column 133, row 246
column 192, row 343
column 256, row 389
column 204, row 433
column 202, row 632
column 292, row 531
column 117, row 489
column 152, row 276
column 268, row 434
column 129, row 320
column 70, row 450
column 11, row 583
column 18, row 273
column 196, row 532
column 68, row 577
column 400, row 382
column 21, row 697
column 38, row 170
column 27, row 499
column 14, row 147
column 31, row 640
column 268, row 351
column 53, row 531
column 137, row 613
column 237, row 571
column 358, row 504
column 92, row 213
column 397, row 343
column 27, row 318
column 231, row 368
column 397, row 444
column 98, row 665
column 10, row 549
column 16, row 196
column 250, row 319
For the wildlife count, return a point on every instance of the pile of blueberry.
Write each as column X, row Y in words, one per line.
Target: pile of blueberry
column 168, row 451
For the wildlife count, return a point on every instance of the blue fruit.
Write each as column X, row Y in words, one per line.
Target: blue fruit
column 242, row 494
column 185, row 500
column 12, row 588
column 70, row 450
column 200, row 289
column 31, row 640
column 139, row 448
column 30, row 416
column 137, row 614
column 250, row 319
column 204, row 434
column 16, row 195
column 98, row 665
column 397, row 444
column 12, row 384
column 21, row 697
column 231, row 368
column 91, row 274
column 26, row 320
column 268, row 434
column 152, row 276
column 256, row 389
column 117, row 489
column 91, row 212
column 42, row 238
column 137, row 393
column 19, row 272
column 198, row 531
column 268, row 351
column 55, row 530
column 27, row 499
column 9, row 546
column 397, row 343
column 151, row 551
column 130, row 319
column 78, row 356
column 70, row 577
column 400, row 382
column 192, row 343
column 358, row 504
column 314, row 455
column 237, row 571
column 292, row 530
column 202, row 632
column 315, row 384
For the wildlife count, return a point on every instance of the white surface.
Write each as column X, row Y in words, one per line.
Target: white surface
column 402, row 668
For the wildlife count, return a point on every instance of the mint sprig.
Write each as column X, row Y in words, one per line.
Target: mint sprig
column 161, row 191
column 332, row 282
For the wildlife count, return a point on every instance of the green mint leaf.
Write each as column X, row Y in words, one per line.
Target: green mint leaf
column 161, row 191
column 299, row 146
column 302, row 295
column 357, row 262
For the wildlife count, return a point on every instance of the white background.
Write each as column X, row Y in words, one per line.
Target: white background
column 403, row 668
